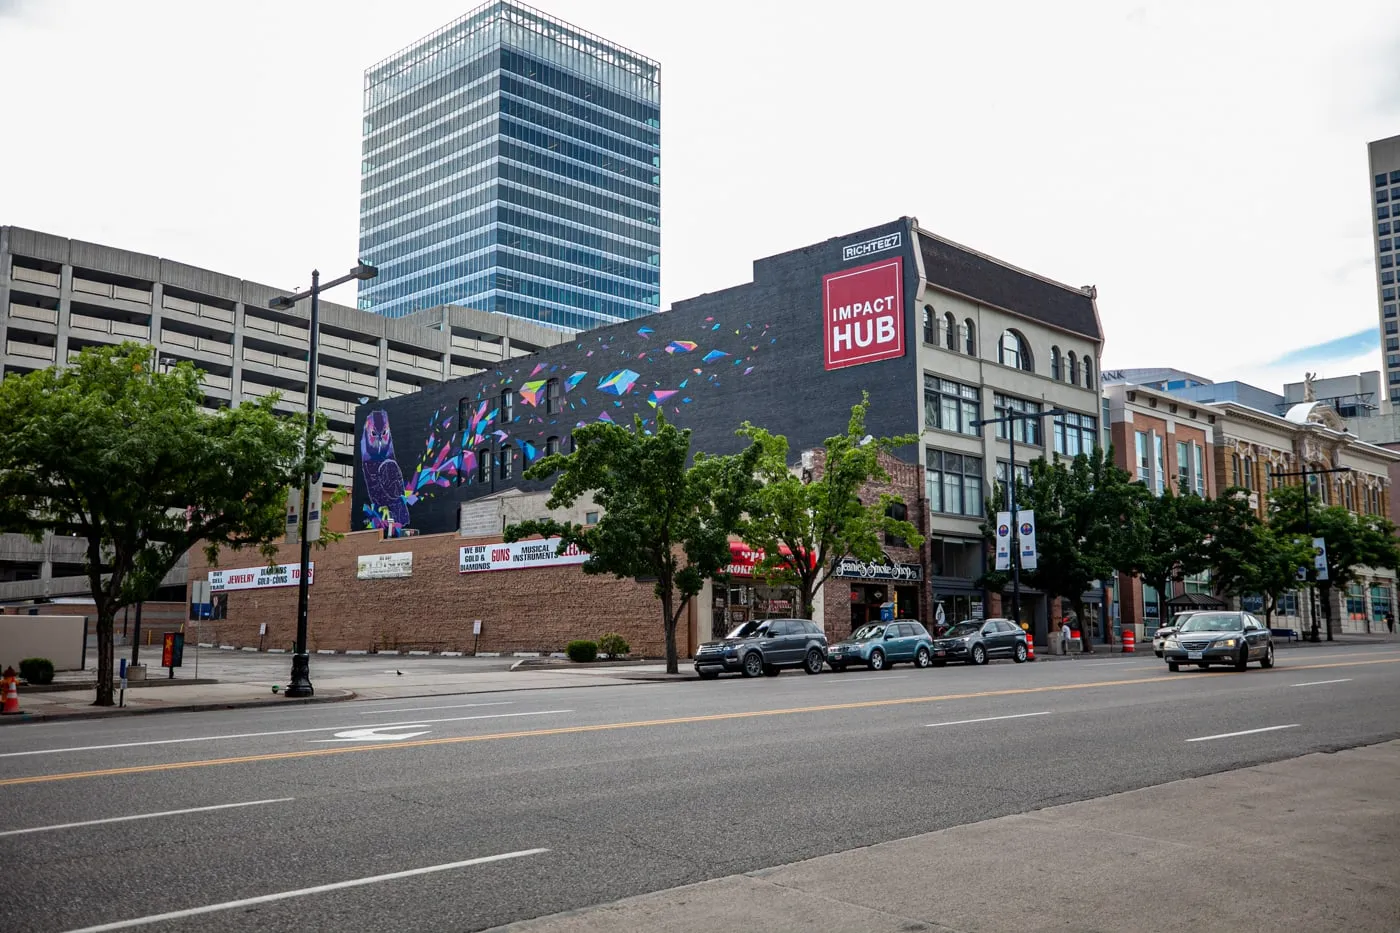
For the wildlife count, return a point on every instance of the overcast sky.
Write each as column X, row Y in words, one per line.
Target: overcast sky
column 1203, row 162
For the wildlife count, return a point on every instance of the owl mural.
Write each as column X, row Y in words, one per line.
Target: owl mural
column 384, row 481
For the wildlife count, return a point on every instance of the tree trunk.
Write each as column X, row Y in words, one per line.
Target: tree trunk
column 1086, row 644
column 668, row 620
column 106, row 620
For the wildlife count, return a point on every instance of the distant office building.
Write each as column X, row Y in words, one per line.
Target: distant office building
column 511, row 163
column 1385, row 187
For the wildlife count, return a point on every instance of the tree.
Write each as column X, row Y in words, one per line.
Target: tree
column 126, row 458
column 662, row 517
column 1353, row 541
column 805, row 525
column 1085, row 515
column 1169, row 534
column 1250, row 557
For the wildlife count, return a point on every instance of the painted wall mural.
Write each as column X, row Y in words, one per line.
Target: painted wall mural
column 389, row 492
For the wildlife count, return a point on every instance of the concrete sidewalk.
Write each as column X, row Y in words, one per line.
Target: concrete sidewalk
column 1297, row 846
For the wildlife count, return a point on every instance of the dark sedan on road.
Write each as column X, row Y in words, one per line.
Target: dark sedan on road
column 979, row 642
column 881, row 645
column 764, row 646
column 1225, row 637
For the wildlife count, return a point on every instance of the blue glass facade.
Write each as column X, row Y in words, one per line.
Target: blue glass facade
column 512, row 163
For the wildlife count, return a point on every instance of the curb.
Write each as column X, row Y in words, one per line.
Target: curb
column 33, row 718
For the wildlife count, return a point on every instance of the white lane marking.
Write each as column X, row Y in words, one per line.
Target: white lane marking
column 1231, row 735
column 144, row 816
column 257, row 735
column 303, row 892
column 421, row 709
column 373, row 735
column 1318, row 683
column 964, row 722
column 858, row 680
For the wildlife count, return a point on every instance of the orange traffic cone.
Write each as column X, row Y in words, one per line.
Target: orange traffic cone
column 11, row 692
column 1030, row 647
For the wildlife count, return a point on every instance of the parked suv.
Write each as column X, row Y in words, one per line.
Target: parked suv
column 880, row 645
column 764, row 646
column 977, row 642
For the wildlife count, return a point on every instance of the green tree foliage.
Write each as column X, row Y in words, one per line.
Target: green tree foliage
column 821, row 519
column 1168, row 537
column 1353, row 541
column 127, row 460
column 663, row 517
column 1250, row 557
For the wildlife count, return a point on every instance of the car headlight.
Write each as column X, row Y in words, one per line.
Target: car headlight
column 1171, row 642
column 1227, row 643
column 731, row 651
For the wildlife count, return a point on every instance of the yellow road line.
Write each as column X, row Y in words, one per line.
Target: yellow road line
column 611, row 726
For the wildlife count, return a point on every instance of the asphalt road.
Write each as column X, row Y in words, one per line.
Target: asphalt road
column 382, row 815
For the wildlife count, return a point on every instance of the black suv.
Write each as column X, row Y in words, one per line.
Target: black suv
column 764, row 646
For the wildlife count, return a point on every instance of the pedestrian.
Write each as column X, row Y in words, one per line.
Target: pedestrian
column 1390, row 622
column 1065, row 634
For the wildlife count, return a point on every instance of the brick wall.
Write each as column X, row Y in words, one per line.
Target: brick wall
column 521, row 610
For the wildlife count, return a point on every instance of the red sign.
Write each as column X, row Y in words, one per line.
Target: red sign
column 863, row 314
column 743, row 559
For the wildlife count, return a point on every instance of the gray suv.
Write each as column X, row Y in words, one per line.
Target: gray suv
column 764, row 646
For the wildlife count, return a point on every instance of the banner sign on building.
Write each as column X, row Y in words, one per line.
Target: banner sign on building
column 1003, row 541
column 869, row 570
column 1320, row 558
column 1026, row 522
column 519, row 555
column 384, row 566
column 870, row 247
column 260, row 578
column 864, row 313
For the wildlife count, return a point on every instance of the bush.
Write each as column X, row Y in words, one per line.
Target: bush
column 582, row 651
column 36, row 671
column 613, row 645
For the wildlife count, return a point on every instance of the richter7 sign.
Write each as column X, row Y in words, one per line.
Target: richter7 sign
column 863, row 314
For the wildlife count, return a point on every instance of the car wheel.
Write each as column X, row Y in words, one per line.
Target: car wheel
column 708, row 675
column 1157, row 653
column 1020, row 653
column 940, row 663
column 771, row 670
column 814, row 662
column 877, row 660
column 1242, row 662
column 923, row 658
column 979, row 655
column 753, row 664
column 1173, row 666
column 1267, row 661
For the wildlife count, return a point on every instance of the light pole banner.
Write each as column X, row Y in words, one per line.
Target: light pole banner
column 1320, row 558
column 1025, row 521
column 1003, row 541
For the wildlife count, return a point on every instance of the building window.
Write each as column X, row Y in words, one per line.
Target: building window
column 1382, row 196
column 483, row 465
column 552, row 398
column 1023, row 473
column 1071, row 369
column 1249, row 473
column 1055, row 372
column 953, row 483
column 1380, row 180
column 951, row 406
column 1088, row 373
column 930, row 336
column 899, row 512
column 507, row 462
column 1392, row 343
column 507, row 406
column 551, row 446
column 1160, row 476
column 1348, row 496
column 1236, row 471
column 1024, row 430
column 1144, row 464
column 1183, row 466
column 970, row 336
column 1390, row 327
column 1199, row 459
column 1356, row 601
column 590, row 518
column 1385, row 245
column 1013, row 351
column 1076, row 434
column 950, row 331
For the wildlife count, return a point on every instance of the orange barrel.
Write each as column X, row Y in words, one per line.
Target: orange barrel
column 1129, row 641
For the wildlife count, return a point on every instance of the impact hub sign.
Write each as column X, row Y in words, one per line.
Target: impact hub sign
column 863, row 313
column 520, row 555
column 260, row 578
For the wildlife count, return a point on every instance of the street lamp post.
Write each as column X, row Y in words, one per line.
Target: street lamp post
column 1307, row 530
column 300, row 683
column 1007, row 419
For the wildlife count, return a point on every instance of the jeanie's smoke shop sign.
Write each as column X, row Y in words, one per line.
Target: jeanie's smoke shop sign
column 870, row 570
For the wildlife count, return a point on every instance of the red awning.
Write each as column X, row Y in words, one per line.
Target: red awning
column 743, row 558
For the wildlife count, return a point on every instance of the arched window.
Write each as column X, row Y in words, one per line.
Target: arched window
column 1088, row 373
column 950, row 335
column 1071, row 369
column 1055, row 364
column 1238, row 470
column 930, row 329
column 551, row 446
column 1013, row 351
column 971, row 337
column 552, row 398
column 507, row 462
column 483, row 465
column 1248, row 473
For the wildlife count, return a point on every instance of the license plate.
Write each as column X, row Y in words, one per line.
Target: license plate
column 1194, row 655
column 940, row 653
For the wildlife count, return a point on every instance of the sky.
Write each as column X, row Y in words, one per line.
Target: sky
column 1203, row 162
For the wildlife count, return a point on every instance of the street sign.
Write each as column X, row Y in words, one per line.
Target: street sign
column 172, row 653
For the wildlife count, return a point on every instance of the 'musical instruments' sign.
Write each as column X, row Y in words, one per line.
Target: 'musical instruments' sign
column 518, row 555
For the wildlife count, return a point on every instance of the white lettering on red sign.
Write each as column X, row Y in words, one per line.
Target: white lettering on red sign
column 863, row 314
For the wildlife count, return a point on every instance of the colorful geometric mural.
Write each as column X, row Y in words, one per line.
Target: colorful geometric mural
column 388, row 492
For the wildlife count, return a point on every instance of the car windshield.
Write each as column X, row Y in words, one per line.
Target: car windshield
column 964, row 628
column 743, row 631
column 1214, row 622
column 867, row 632
column 1178, row 620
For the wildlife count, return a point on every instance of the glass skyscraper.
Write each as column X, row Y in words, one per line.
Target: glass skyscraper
column 512, row 163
